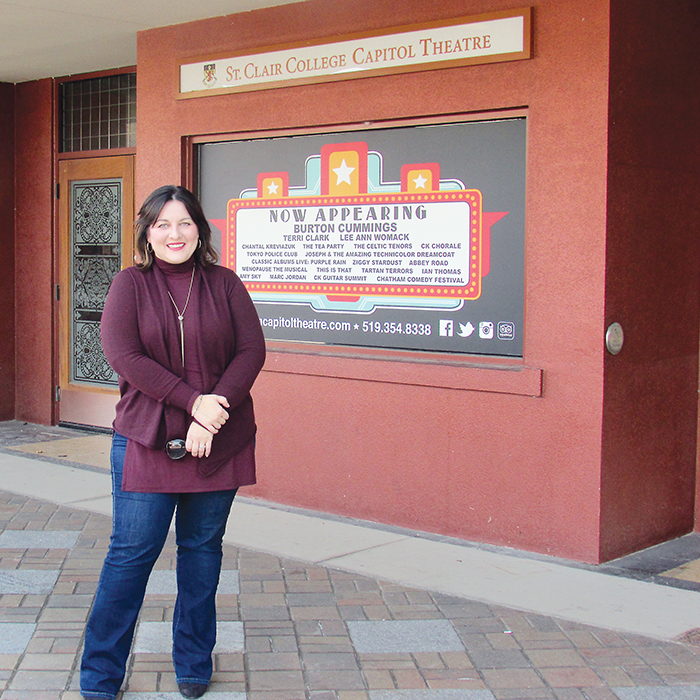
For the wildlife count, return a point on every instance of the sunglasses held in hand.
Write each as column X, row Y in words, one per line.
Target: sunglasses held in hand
column 175, row 449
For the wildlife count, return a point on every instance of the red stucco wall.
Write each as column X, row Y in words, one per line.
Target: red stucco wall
column 653, row 275
column 572, row 451
column 473, row 463
column 7, row 279
column 34, row 251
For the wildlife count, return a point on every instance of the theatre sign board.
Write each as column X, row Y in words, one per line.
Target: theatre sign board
column 334, row 249
column 501, row 36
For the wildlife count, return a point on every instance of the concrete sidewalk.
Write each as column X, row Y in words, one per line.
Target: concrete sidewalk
column 321, row 608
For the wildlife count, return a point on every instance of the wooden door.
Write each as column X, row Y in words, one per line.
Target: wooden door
column 96, row 215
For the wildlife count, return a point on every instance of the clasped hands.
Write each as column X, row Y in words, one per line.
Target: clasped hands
column 209, row 415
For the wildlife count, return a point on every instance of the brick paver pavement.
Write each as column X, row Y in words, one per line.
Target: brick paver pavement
column 308, row 632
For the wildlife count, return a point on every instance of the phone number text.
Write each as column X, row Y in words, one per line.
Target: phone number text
column 396, row 328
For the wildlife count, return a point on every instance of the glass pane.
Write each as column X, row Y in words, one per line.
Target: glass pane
column 102, row 109
column 95, row 245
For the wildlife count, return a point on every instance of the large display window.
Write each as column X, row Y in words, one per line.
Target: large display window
column 407, row 237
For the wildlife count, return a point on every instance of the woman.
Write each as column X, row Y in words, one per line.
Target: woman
column 184, row 337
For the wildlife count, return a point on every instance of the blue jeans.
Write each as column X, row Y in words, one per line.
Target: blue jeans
column 140, row 525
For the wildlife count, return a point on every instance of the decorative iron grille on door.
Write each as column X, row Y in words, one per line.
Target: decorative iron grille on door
column 95, row 245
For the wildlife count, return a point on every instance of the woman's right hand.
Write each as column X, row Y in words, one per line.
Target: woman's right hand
column 198, row 441
column 211, row 411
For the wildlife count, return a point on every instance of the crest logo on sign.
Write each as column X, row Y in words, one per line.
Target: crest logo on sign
column 209, row 74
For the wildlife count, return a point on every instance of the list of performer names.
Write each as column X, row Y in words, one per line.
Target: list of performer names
column 408, row 243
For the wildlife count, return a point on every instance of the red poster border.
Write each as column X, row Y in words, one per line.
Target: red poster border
column 348, row 291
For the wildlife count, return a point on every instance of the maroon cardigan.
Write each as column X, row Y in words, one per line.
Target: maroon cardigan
column 141, row 341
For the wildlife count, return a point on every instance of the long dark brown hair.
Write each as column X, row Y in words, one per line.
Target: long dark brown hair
column 204, row 254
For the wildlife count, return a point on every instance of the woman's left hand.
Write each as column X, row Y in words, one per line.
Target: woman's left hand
column 198, row 441
column 210, row 411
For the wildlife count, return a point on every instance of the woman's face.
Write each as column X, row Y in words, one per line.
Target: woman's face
column 174, row 235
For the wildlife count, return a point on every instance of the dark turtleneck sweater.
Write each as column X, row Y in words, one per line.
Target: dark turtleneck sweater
column 224, row 351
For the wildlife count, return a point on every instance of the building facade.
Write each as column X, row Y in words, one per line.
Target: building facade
column 562, row 447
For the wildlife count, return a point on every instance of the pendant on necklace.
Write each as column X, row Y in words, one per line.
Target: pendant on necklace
column 181, row 315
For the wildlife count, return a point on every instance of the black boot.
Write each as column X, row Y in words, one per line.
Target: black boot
column 192, row 690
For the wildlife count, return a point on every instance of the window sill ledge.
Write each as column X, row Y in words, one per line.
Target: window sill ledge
column 492, row 375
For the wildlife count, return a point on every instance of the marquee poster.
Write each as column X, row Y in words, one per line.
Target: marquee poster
column 405, row 238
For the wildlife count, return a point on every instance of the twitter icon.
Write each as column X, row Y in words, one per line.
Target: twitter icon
column 465, row 329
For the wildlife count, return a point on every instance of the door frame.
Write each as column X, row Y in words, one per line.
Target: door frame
column 74, row 403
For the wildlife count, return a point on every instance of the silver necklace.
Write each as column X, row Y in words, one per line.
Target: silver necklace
column 181, row 315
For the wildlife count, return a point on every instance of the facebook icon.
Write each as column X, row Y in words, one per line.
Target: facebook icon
column 447, row 327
